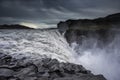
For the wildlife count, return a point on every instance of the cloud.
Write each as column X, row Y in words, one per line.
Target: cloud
column 29, row 24
column 50, row 12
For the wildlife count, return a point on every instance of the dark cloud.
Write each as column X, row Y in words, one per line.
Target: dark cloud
column 50, row 12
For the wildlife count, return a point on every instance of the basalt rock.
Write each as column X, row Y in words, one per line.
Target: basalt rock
column 75, row 30
column 43, row 69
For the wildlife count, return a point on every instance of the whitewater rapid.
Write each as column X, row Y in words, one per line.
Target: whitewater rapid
column 35, row 44
column 49, row 43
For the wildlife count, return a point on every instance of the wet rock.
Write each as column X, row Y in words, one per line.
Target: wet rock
column 26, row 72
column 4, row 72
column 83, row 78
column 3, row 78
column 74, row 30
column 43, row 69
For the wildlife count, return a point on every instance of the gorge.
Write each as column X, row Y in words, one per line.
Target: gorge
column 81, row 49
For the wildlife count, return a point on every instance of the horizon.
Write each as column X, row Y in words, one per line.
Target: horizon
column 46, row 14
column 34, row 26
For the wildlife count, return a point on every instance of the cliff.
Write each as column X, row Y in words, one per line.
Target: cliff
column 73, row 29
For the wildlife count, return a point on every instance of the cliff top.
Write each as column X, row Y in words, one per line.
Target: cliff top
column 91, row 24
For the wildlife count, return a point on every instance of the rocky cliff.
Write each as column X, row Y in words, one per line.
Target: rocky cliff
column 75, row 29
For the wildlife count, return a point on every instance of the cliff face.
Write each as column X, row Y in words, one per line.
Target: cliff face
column 74, row 29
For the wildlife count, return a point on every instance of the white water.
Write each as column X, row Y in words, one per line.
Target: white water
column 104, row 60
column 35, row 44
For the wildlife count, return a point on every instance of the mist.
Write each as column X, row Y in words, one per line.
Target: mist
column 99, row 59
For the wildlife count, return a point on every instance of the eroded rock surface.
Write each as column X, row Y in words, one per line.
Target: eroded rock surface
column 44, row 69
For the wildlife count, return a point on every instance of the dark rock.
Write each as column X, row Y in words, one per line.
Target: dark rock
column 4, row 72
column 15, row 26
column 26, row 72
column 88, row 77
column 74, row 30
column 45, row 69
column 3, row 78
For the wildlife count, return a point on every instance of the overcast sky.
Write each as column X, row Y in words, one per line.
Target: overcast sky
column 47, row 13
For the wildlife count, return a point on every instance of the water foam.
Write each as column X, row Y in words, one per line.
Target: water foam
column 105, row 60
column 35, row 44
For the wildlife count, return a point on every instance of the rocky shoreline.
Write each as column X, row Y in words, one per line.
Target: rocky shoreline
column 43, row 69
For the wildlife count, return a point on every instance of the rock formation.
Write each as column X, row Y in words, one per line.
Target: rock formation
column 75, row 29
column 43, row 69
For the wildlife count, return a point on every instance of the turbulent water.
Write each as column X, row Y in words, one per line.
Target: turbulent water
column 100, row 60
column 36, row 44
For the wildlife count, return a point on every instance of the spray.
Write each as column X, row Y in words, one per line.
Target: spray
column 100, row 60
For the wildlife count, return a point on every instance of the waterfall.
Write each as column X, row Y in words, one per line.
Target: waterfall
column 49, row 43
column 35, row 44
